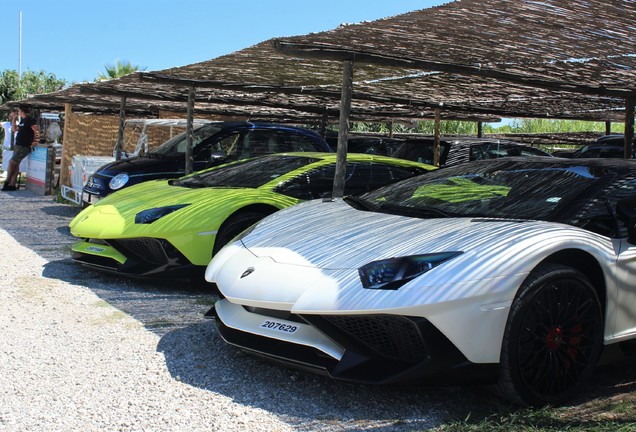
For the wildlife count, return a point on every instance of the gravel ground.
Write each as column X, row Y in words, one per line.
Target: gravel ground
column 84, row 350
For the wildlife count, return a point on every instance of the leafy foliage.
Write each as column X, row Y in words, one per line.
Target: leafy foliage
column 117, row 70
column 31, row 83
column 560, row 126
column 453, row 127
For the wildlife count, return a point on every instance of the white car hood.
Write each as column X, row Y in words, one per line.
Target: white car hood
column 333, row 235
column 306, row 258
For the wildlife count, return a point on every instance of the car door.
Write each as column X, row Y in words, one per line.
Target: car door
column 625, row 317
column 623, row 276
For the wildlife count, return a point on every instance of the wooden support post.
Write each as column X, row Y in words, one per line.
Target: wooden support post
column 323, row 123
column 343, row 129
column 480, row 129
column 122, row 124
column 189, row 162
column 436, row 152
column 629, row 128
column 391, row 129
column 608, row 127
column 66, row 158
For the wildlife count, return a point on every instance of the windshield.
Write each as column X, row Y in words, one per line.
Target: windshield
column 499, row 190
column 177, row 144
column 248, row 173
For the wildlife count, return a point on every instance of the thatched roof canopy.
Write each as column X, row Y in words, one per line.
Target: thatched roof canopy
column 473, row 59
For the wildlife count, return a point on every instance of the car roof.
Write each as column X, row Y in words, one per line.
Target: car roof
column 353, row 157
column 628, row 164
column 460, row 140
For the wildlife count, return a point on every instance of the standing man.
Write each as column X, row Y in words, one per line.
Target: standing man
column 28, row 136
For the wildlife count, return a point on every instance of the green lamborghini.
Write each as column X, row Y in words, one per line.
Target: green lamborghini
column 172, row 228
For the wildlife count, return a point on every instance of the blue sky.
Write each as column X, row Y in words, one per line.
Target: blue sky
column 75, row 39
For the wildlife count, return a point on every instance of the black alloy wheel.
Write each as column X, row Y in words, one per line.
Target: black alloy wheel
column 553, row 337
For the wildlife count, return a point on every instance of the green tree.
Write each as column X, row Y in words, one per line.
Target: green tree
column 31, row 83
column 117, row 71
column 560, row 126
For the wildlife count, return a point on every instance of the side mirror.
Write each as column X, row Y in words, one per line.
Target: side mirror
column 626, row 212
column 217, row 156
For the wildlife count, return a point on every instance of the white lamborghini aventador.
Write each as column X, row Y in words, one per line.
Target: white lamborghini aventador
column 511, row 272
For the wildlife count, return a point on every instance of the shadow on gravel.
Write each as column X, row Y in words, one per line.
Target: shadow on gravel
column 61, row 210
column 160, row 305
column 196, row 355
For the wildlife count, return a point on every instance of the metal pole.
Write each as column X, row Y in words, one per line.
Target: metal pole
column 189, row 162
column 343, row 129
column 20, row 52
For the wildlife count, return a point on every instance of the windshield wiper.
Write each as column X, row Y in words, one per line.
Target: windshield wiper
column 359, row 203
column 195, row 181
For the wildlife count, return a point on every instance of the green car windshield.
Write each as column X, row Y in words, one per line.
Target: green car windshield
column 546, row 192
column 248, row 173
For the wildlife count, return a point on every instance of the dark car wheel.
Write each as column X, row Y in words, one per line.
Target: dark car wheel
column 234, row 225
column 553, row 337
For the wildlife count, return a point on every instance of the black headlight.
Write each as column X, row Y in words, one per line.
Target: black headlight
column 392, row 273
column 151, row 215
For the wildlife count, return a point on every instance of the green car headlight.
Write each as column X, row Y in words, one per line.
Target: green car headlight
column 153, row 214
column 392, row 273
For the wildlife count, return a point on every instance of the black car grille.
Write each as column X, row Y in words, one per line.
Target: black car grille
column 150, row 250
column 378, row 349
column 390, row 336
column 95, row 183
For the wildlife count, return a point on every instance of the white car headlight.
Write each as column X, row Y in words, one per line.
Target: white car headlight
column 392, row 273
column 119, row 181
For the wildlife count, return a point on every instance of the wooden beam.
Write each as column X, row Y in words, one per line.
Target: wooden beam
column 436, row 143
column 417, row 104
column 189, row 161
column 66, row 157
column 122, row 124
column 343, row 130
column 342, row 54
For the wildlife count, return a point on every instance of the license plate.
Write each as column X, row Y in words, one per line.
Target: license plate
column 88, row 198
column 279, row 326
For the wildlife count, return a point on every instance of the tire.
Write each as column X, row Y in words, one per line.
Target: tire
column 235, row 225
column 553, row 338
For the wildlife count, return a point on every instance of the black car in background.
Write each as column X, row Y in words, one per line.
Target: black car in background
column 607, row 146
column 376, row 145
column 213, row 144
column 457, row 150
